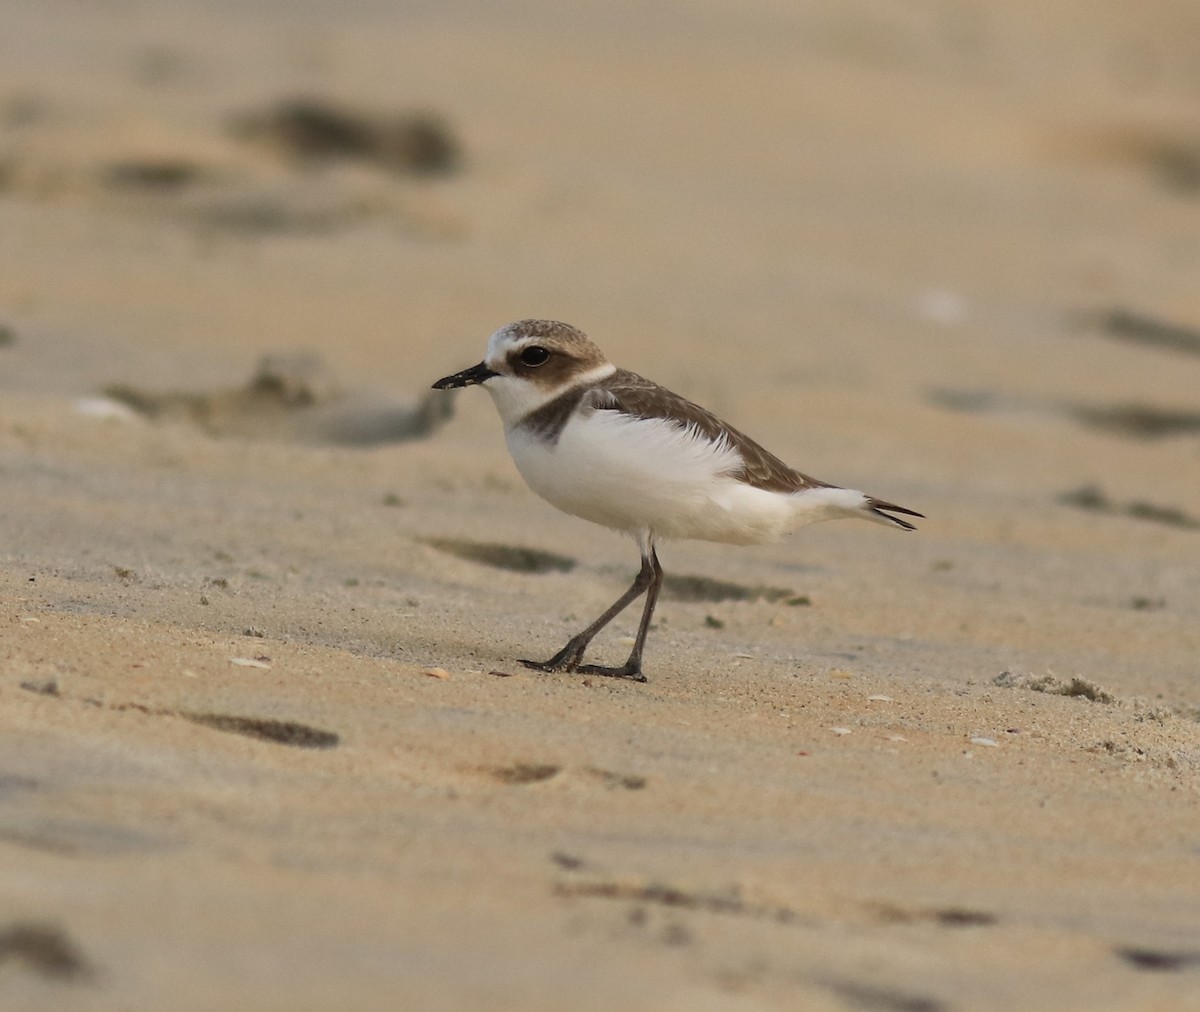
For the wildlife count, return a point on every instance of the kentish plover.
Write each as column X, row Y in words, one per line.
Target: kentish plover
column 606, row 445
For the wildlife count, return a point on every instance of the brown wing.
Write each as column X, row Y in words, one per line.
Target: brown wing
column 642, row 398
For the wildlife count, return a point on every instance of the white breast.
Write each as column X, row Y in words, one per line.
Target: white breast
column 637, row 474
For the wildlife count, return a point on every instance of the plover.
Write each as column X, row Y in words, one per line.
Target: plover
column 606, row 445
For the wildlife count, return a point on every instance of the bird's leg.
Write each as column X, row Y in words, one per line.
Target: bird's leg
column 568, row 658
column 632, row 668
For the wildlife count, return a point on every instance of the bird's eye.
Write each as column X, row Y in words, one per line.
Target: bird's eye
column 534, row 356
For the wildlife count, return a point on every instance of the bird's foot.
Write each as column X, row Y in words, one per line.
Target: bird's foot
column 567, row 659
column 570, row 658
column 631, row 671
column 554, row 664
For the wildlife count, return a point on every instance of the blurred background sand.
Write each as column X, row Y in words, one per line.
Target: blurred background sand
column 945, row 252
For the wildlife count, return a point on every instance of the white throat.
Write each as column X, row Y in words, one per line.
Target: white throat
column 515, row 396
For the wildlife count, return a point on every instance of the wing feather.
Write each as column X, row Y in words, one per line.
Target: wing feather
column 635, row 395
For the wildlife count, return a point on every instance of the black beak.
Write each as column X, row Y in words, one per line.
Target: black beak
column 467, row 378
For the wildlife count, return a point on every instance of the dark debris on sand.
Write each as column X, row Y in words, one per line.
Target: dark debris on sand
column 44, row 949
column 314, row 130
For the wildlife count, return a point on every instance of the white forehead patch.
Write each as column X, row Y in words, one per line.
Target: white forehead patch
column 501, row 342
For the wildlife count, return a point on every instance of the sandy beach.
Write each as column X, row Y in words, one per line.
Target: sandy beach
column 265, row 740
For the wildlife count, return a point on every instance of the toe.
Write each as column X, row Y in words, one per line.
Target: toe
column 552, row 665
column 633, row 674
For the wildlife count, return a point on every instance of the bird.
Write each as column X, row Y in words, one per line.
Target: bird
column 609, row 446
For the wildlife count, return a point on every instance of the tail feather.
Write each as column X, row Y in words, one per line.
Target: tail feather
column 881, row 509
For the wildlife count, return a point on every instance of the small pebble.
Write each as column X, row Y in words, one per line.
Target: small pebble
column 104, row 408
column 988, row 742
column 879, row 699
column 841, row 730
column 250, row 662
column 441, row 673
column 943, row 305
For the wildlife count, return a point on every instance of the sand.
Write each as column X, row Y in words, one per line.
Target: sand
column 266, row 740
